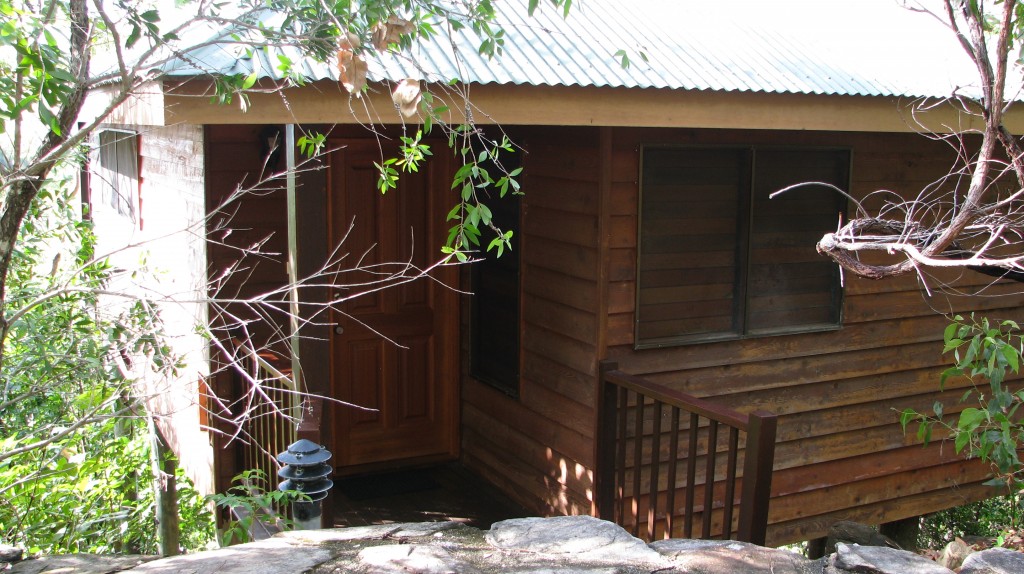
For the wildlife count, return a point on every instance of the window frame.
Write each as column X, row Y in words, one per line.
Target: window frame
column 115, row 201
column 745, row 224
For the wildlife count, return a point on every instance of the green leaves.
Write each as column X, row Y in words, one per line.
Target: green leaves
column 311, row 144
column 252, row 497
column 564, row 4
column 89, row 490
column 984, row 353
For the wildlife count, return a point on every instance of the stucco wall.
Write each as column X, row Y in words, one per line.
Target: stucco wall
column 164, row 247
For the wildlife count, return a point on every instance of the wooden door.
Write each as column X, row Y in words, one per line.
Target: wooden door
column 395, row 349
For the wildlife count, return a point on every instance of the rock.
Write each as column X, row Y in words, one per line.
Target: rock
column 270, row 556
column 730, row 556
column 582, row 538
column 994, row 561
column 849, row 532
column 411, row 559
column 882, row 560
column 375, row 532
column 78, row 564
column 10, row 554
column 560, row 545
column 954, row 553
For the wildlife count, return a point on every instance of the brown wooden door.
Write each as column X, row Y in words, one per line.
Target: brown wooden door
column 395, row 349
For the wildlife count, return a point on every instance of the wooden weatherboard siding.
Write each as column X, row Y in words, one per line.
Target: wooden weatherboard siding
column 539, row 446
column 841, row 453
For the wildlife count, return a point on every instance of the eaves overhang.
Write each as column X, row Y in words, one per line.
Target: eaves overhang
column 325, row 102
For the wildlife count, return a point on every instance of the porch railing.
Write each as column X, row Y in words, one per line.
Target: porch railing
column 270, row 427
column 651, row 436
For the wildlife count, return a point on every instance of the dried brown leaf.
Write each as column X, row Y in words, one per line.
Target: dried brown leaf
column 407, row 96
column 352, row 73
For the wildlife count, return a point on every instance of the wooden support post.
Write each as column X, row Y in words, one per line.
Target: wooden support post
column 903, row 532
column 757, row 478
column 604, row 472
column 165, row 490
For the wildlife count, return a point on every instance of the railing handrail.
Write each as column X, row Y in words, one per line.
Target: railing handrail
column 759, row 426
column 261, row 362
column 676, row 398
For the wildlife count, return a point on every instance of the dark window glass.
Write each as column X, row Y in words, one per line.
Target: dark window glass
column 494, row 339
column 719, row 259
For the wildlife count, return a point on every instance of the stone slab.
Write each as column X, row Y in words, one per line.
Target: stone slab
column 882, row 560
column 411, row 559
column 731, row 556
column 78, row 564
column 994, row 561
column 583, row 538
column 270, row 556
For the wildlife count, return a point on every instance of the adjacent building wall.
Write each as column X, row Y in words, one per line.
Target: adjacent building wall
column 163, row 245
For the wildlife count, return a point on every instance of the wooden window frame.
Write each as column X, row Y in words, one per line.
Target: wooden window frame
column 745, row 225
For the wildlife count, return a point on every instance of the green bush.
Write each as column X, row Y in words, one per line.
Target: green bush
column 984, row 352
column 253, row 498
column 989, row 518
column 93, row 493
column 75, row 467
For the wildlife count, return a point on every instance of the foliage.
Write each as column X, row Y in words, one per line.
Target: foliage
column 984, row 352
column 988, row 518
column 252, row 500
column 75, row 472
column 93, row 493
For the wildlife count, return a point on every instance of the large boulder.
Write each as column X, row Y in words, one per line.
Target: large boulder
column 882, row 560
column 582, row 538
column 994, row 561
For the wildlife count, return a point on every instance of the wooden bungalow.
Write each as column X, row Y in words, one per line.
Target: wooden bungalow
column 645, row 237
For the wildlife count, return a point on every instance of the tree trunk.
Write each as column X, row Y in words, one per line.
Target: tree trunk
column 165, row 490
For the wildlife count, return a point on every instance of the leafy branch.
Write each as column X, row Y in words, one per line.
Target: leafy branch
column 985, row 353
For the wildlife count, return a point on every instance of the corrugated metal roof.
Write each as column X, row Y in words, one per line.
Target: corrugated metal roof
column 839, row 47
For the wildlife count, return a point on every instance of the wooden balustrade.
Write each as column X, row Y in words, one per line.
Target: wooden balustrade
column 641, row 460
column 271, row 425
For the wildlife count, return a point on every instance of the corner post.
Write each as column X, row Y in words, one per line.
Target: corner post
column 604, row 471
column 757, row 478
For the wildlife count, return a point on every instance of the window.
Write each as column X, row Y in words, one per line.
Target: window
column 720, row 260
column 494, row 340
column 116, row 173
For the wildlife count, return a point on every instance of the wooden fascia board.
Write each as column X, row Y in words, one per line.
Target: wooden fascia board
column 328, row 103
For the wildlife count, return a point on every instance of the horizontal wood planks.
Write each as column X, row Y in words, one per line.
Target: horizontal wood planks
column 539, row 446
column 235, row 157
column 841, row 453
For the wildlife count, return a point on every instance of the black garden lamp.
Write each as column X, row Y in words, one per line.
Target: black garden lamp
column 305, row 470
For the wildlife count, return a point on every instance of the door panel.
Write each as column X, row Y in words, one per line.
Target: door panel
column 394, row 350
